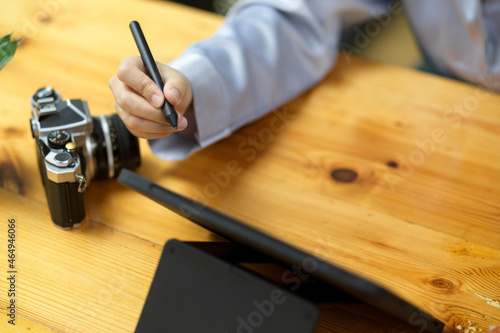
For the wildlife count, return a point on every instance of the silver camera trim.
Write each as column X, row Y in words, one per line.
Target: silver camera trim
column 63, row 175
column 109, row 146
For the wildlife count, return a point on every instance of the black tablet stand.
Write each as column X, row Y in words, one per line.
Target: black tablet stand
column 199, row 287
column 203, row 287
column 211, row 287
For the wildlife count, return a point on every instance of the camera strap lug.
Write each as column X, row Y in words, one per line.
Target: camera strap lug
column 82, row 183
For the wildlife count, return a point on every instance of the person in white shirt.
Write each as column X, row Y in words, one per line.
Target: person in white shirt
column 269, row 51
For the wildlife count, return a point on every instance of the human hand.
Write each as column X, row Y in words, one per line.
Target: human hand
column 138, row 99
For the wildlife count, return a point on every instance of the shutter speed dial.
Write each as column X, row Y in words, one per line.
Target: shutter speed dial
column 58, row 138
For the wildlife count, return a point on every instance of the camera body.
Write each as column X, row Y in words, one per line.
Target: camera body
column 73, row 148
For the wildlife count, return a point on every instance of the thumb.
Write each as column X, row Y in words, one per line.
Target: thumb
column 156, row 100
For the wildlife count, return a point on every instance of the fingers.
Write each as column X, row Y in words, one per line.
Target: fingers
column 127, row 100
column 177, row 88
column 132, row 73
column 138, row 99
column 141, row 118
column 146, row 129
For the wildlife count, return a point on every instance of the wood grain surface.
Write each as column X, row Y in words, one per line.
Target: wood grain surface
column 390, row 173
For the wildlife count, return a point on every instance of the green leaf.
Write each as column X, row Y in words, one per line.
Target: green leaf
column 7, row 49
column 5, row 39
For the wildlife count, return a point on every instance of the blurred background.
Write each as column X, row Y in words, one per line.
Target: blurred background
column 395, row 44
column 391, row 43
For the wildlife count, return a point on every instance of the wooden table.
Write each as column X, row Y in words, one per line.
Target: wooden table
column 416, row 208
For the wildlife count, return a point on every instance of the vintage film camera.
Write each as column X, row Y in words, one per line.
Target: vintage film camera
column 73, row 147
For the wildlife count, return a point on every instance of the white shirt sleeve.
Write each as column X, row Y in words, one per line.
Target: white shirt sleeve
column 461, row 39
column 265, row 53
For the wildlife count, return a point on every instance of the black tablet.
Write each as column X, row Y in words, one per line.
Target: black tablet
column 283, row 253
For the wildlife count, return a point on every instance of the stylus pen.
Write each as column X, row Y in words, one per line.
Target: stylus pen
column 152, row 70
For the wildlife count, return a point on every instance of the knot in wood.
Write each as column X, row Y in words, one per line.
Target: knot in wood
column 344, row 175
column 442, row 284
column 392, row 164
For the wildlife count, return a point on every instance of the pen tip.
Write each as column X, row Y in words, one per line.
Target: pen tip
column 172, row 119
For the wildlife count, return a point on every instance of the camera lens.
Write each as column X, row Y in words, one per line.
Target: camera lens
column 114, row 147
